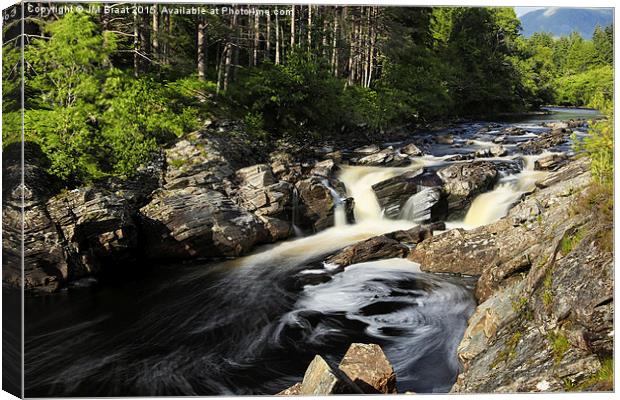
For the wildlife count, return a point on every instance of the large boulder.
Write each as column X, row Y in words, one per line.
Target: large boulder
column 411, row 150
column 197, row 222
column 269, row 200
column 462, row 182
column 368, row 367
column 318, row 201
column 394, row 193
column 97, row 225
column 45, row 264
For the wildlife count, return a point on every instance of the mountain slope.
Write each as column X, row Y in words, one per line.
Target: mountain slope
column 563, row 21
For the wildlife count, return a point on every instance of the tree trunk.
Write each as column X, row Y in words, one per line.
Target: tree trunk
column 256, row 39
column 136, row 46
column 277, row 38
column 309, row 28
column 335, row 45
column 155, row 32
column 293, row 27
column 268, row 42
column 200, row 47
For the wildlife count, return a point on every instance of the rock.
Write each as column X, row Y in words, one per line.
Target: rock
column 98, row 227
column 552, row 162
column 499, row 139
column 320, row 379
column 375, row 248
column 429, row 204
column 387, row 157
column 545, row 141
column 462, row 182
column 197, row 222
column 367, row 150
column 285, row 167
column 483, row 153
column 273, row 205
column 325, row 168
column 256, row 176
column 45, row 262
column 392, row 194
column 461, row 157
column 444, row 139
column 416, row 234
column 294, row 390
column 513, row 131
column 368, row 367
column 565, row 173
column 318, row 203
column 498, row 151
column 336, row 156
column 411, row 150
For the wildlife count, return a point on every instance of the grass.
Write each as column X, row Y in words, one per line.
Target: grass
column 559, row 344
column 570, row 242
column 603, row 378
column 509, row 352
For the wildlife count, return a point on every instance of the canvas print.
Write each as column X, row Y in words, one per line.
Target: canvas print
column 227, row 199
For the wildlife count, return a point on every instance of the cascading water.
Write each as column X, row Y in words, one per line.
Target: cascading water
column 491, row 206
column 340, row 212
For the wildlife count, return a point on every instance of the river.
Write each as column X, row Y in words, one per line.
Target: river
column 253, row 324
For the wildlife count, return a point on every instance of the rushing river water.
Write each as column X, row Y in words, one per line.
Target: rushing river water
column 252, row 325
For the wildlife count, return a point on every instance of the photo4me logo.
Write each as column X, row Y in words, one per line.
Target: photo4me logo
column 131, row 9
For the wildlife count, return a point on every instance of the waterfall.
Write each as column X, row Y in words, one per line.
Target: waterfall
column 359, row 181
column 295, row 212
column 491, row 206
column 340, row 210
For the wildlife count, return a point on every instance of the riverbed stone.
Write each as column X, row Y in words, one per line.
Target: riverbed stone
column 375, row 248
column 368, row 367
column 552, row 162
column 462, row 182
column 411, row 150
column 387, row 157
column 321, row 379
column 318, row 203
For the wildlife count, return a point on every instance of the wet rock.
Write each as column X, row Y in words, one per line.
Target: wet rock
column 325, row 168
column 444, row 139
column 416, row 234
column 545, row 141
column 498, row 151
column 462, row 182
column 336, row 156
column 46, row 266
column 483, row 153
column 387, row 157
column 376, row 248
column 411, row 150
column 97, row 225
column 321, row 379
column 429, row 204
column 551, row 162
column 367, row 150
column 197, row 222
column 500, row 139
column 513, row 131
column 318, row 203
column 392, row 194
column 368, row 367
column 461, row 157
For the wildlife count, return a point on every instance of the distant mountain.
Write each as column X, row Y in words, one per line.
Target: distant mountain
column 560, row 21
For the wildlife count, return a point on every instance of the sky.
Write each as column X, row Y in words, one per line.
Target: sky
column 524, row 10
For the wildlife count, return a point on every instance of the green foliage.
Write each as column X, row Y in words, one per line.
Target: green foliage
column 559, row 344
column 90, row 119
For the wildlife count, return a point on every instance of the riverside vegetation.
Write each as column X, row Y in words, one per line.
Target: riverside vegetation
column 350, row 143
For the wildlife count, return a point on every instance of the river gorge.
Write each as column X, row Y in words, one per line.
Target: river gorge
column 251, row 320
